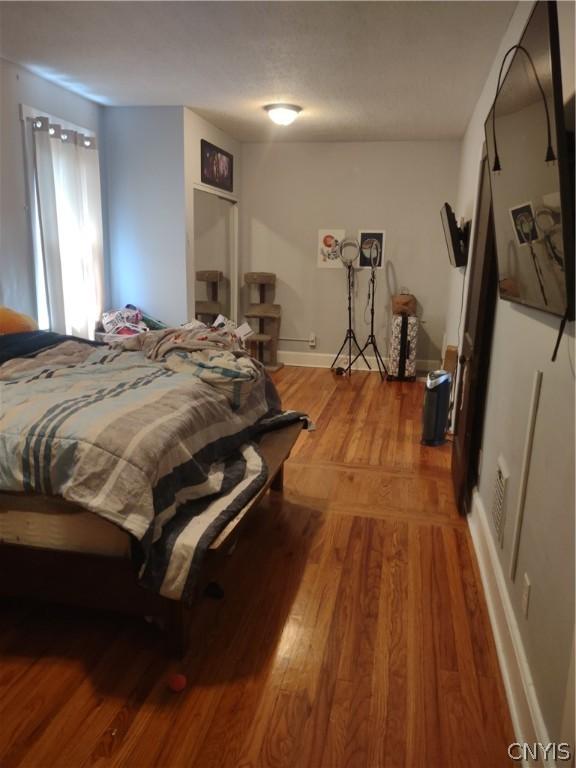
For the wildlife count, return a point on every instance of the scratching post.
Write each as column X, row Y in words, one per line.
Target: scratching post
column 264, row 343
column 212, row 307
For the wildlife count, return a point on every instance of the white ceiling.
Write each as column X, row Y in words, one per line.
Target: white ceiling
column 361, row 71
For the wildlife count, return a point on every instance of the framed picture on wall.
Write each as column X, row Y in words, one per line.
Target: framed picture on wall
column 216, row 166
column 372, row 242
column 524, row 223
column 328, row 253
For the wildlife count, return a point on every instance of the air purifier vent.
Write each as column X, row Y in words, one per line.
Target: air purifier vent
column 499, row 502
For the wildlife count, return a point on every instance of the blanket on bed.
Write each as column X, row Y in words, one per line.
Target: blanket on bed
column 29, row 343
column 146, row 444
column 197, row 336
column 212, row 354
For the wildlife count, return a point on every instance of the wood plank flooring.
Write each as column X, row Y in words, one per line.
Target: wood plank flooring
column 353, row 632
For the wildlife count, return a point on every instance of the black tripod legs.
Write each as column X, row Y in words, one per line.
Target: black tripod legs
column 350, row 340
column 360, row 354
column 371, row 342
column 339, row 352
column 382, row 370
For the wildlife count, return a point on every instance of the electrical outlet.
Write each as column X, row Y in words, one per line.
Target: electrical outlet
column 526, row 596
column 312, row 339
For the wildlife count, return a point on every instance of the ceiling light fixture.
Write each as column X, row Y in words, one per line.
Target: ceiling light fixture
column 283, row 114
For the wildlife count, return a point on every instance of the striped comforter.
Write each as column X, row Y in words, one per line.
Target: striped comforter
column 157, row 451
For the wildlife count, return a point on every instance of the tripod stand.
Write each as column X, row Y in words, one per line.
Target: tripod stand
column 371, row 340
column 350, row 337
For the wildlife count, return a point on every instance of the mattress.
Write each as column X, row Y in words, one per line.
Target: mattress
column 71, row 531
column 161, row 448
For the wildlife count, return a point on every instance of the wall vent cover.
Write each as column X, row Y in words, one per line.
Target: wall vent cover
column 499, row 502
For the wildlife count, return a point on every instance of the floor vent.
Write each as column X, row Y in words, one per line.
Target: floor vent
column 499, row 503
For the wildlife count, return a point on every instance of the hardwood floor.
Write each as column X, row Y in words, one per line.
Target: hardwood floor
column 353, row 632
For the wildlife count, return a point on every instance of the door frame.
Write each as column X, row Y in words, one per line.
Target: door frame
column 476, row 369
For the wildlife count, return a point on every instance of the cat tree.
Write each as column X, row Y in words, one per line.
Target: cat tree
column 264, row 342
column 212, row 307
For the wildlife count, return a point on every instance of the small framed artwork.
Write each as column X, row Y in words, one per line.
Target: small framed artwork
column 524, row 223
column 372, row 242
column 216, row 166
column 329, row 248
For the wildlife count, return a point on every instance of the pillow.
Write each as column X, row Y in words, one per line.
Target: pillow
column 14, row 322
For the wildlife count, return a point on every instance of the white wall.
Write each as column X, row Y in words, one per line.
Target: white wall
column 291, row 190
column 18, row 86
column 523, row 343
column 146, row 209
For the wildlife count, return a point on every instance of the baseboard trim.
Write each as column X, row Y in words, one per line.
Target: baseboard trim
column 324, row 360
column 523, row 702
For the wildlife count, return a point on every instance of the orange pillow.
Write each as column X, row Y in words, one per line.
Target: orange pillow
column 14, row 322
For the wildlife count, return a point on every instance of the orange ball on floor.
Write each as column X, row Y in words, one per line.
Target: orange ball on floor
column 177, row 682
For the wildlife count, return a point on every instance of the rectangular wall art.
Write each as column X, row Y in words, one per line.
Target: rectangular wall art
column 372, row 244
column 216, row 166
column 328, row 253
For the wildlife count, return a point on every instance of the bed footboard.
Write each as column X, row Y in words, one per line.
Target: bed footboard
column 106, row 582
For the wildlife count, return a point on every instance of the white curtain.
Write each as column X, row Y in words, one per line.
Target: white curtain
column 67, row 224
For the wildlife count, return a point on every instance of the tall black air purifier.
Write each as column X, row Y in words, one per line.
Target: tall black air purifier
column 436, row 406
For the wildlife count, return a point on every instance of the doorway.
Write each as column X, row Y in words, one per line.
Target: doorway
column 475, row 351
column 215, row 238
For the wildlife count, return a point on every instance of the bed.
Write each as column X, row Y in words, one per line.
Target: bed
column 125, row 471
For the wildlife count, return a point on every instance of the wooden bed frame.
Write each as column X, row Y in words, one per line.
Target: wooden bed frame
column 107, row 582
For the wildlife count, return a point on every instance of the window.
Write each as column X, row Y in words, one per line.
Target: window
column 66, row 223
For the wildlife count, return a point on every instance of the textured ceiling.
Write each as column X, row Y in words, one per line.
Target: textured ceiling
column 361, row 70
